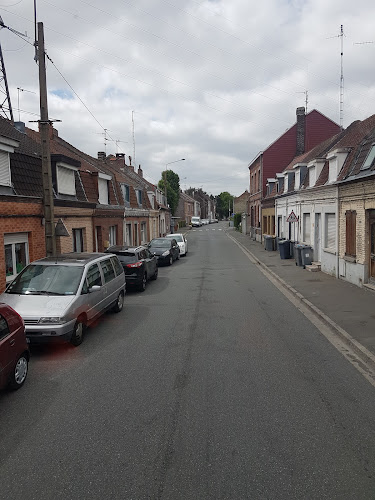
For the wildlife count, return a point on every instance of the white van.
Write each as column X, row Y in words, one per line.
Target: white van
column 196, row 222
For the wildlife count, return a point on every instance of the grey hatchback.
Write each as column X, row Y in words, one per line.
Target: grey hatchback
column 58, row 297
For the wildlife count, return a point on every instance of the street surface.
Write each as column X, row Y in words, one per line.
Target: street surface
column 209, row 385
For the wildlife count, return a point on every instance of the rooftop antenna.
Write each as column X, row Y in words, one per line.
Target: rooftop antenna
column 105, row 139
column 306, row 92
column 18, row 99
column 117, row 142
column 5, row 104
column 133, row 137
column 342, row 79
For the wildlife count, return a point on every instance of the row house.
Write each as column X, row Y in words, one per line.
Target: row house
column 309, row 130
column 186, row 208
column 331, row 191
column 97, row 203
column 206, row 203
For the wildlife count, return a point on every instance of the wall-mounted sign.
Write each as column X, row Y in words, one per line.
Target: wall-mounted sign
column 292, row 217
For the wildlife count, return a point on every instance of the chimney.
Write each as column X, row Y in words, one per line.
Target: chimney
column 301, row 125
column 120, row 155
column 140, row 171
column 101, row 155
column 20, row 126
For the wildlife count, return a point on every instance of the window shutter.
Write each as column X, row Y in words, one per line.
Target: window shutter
column 4, row 169
column 351, row 216
column 66, row 181
column 306, row 228
column 330, row 231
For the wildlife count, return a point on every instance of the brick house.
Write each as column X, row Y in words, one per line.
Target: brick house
column 185, row 209
column 309, row 130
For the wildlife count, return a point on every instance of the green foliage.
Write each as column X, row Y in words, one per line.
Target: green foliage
column 223, row 201
column 173, row 189
column 237, row 220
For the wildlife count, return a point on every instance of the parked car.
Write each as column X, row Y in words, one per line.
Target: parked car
column 205, row 221
column 14, row 350
column 165, row 249
column 181, row 242
column 196, row 222
column 58, row 297
column 139, row 264
column 214, row 221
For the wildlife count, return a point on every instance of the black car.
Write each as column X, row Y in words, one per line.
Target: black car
column 166, row 250
column 139, row 264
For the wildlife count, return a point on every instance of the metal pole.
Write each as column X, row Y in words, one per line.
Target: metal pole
column 44, row 124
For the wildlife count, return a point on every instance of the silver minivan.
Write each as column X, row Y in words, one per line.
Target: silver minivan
column 58, row 297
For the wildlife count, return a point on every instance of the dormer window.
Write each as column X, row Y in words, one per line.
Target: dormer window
column 370, row 159
column 103, row 188
column 138, row 192
column 66, row 183
column 126, row 194
column 6, row 146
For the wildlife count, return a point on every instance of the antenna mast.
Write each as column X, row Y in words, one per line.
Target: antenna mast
column 4, row 89
column 342, row 80
column 133, row 137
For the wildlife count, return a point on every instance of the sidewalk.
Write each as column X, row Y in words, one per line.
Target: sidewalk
column 351, row 308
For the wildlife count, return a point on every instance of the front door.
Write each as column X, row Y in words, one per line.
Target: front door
column 372, row 249
column 318, row 237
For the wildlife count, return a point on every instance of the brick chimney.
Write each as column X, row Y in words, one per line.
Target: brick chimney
column 140, row 171
column 301, row 129
column 101, row 155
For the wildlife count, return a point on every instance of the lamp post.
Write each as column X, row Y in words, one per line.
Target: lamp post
column 165, row 177
column 165, row 182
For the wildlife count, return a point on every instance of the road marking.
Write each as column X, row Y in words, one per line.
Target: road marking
column 357, row 355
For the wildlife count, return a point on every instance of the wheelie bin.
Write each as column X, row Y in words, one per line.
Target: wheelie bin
column 284, row 249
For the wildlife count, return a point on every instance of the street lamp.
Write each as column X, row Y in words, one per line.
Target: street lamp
column 165, row 178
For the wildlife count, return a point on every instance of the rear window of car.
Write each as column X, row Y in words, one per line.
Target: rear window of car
column 178, row 238
column 116, row 264
column 127, row 257
column 161, row 243
column 108, row 271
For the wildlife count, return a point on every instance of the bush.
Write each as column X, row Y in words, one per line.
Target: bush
column 237, row 220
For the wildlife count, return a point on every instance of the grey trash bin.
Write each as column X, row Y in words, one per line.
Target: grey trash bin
column 306, row 255
column 269, row 243
column 284, row 249
column 298, row 254
column 277, row 240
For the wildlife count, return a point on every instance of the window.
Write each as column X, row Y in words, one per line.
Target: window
column 66, row 181
column 370, row 158
column 103, row 191
column 4, row 328
column 5, row 179
column 77, row 240
column 143, row 232
column 112, row 235
column 16, row 253
column 108, row 271
column 306, row 228
column 351, row 243
column 125, row 193
column 93, row 277
column 330, row 231
column 116, row 264
column 138, row 192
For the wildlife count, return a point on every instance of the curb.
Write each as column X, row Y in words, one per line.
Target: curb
column 366, row 356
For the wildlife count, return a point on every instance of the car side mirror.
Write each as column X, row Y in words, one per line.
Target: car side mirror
column 95, row 288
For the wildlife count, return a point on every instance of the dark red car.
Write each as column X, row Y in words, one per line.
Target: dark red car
column 14, row 350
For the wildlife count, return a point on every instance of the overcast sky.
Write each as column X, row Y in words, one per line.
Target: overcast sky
column 213, row 81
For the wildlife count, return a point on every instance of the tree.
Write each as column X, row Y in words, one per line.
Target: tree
column 173, row 189
column 224, row 204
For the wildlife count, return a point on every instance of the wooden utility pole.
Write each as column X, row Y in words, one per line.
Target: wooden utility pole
column 44, row 127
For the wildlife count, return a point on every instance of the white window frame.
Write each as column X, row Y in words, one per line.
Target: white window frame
column 65, row 175
column 5, row 175
column 81, row 240
column 112, row 235
column 330, row 231
column 13, row 239
column 125, row 188
column 139, row 193
column 369, row 159
column 143, row 233
column 103, row 188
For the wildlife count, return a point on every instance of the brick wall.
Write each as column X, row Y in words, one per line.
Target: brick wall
column 358, row 196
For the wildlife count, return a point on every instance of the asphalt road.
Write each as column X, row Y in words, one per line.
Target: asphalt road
column 209, row 385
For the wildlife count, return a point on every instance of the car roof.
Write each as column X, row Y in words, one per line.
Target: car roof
column 72, row 258
column 124, row 248
column 173, row 234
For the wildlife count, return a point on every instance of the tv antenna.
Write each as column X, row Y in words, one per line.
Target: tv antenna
column 306, row 92
column 18, row 99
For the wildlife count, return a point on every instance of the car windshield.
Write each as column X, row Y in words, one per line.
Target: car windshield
column 177, row 237
column 127, row 257
column 47, row 280
column 160, row 243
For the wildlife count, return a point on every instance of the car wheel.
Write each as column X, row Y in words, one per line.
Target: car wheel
column 78, row 333
column 119, row 303
column 155, row 275
column 170, row 262
column 142, row 285
column 19, row 373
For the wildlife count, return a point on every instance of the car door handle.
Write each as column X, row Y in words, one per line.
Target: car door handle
column 12, row 342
